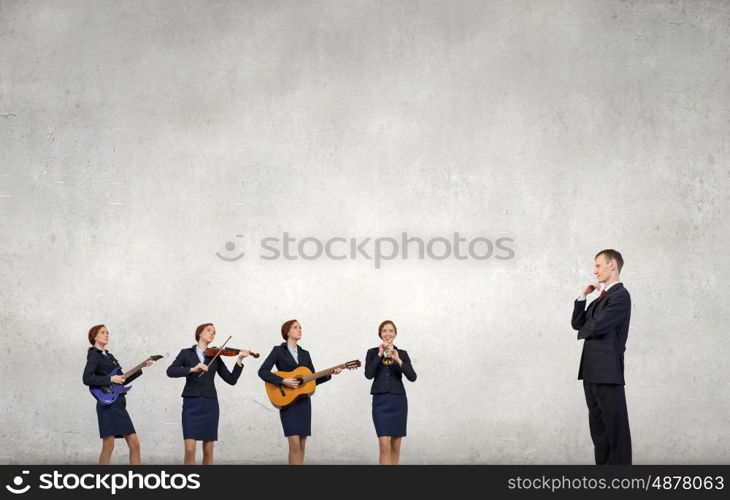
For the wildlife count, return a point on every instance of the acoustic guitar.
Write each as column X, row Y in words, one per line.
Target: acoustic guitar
column 282, row 396
column 107, row 394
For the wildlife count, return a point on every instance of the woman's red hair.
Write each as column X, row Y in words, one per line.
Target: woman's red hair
column 200, row 329
column 285, row 328
column 92, row 333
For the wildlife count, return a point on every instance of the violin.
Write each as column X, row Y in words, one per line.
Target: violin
column 214, row 352
column 227, row 351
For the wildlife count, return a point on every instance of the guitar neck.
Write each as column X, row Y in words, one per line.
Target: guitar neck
column 135, row 369
column 323, row 373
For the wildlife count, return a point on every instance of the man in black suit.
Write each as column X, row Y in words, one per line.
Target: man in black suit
column 605, row 326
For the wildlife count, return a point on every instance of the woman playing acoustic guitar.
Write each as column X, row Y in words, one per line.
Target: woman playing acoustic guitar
column 114, row 421
column 297, row 418
column 200, row 412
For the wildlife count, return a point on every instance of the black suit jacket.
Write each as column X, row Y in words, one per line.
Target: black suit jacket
column 388, row 378
column 605, row 327
column 195, row 385
column 98, row 366
column 284, row 361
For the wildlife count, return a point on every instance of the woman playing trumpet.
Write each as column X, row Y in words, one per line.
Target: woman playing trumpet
column 386, row 365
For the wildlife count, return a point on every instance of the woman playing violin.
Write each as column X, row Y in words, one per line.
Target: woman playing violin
column 387, row 365
column 200, row 412
column 114, row 421
column 297, row 418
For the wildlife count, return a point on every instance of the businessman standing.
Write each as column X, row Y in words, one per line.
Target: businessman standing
column 604, row 326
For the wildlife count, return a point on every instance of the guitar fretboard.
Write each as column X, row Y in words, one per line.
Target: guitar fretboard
column 135, row 369
column 323, row 373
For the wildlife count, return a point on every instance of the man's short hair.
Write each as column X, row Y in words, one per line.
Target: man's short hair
column 612, row 255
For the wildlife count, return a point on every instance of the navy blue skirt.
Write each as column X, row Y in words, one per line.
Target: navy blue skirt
column 200, row 418
column 114, row 419
column 297, row 419
column 390, row 414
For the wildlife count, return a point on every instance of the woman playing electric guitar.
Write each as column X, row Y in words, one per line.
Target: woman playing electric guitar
column 114, row 421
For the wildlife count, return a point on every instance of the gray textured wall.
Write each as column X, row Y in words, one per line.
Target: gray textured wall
column 139, row 138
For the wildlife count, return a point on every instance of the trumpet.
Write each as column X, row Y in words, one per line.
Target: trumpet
column 387, row 359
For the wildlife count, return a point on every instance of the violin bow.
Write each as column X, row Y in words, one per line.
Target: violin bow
column 220, row 349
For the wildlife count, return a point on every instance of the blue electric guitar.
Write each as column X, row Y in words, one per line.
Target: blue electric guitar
column 107, row 394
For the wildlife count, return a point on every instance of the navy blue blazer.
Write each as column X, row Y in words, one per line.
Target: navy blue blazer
column 195, row 385
column 284, row 361
column 604, row 325
column 98, row 366
column 388, row 378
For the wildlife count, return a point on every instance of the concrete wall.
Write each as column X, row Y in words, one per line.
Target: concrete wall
column 140, row 139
